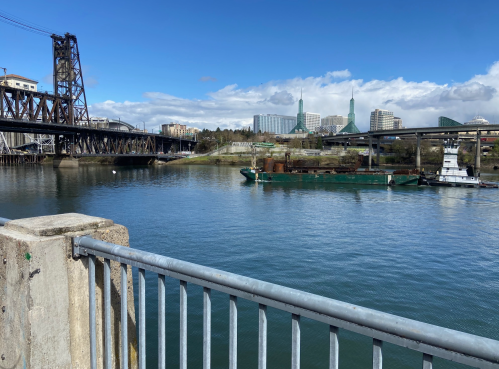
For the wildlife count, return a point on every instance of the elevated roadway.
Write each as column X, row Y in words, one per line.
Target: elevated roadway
column 418, row 133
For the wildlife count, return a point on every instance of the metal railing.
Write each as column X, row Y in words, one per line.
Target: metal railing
column 428, row 339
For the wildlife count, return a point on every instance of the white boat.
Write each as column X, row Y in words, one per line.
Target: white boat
column 451, row 175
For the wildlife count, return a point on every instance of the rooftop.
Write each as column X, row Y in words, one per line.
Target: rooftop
column 20, row 77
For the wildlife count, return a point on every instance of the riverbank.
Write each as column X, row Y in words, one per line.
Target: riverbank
column 244, row 161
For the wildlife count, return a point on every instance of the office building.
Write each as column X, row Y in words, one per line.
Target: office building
column 334, row 120
column 273, row 123
column 397, row 123
column 178, row 130
column 381, row 120
column 312, row 121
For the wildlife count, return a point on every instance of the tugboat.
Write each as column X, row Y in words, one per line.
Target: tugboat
column 451, row 175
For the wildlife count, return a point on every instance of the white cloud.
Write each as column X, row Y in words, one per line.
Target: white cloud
column 340, row 74
column 417, row 103
column 208, row 79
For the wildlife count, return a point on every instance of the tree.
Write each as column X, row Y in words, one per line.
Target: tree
column 295, row 143
column 320, row 145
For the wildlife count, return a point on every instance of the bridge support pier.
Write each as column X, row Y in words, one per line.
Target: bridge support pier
column 370, row 150
column 378, row 150
column 478, row 151
column 418, row 151
column 345, row 145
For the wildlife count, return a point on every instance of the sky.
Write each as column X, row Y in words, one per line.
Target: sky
column 214, row 64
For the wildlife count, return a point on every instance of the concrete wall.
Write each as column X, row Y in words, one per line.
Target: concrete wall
column 44, row 294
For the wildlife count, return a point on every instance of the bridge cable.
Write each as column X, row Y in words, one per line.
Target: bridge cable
column 17, row 22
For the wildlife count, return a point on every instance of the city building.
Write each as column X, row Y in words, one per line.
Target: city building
column 397, row 123
column 300, row 119
column 273, row 123
column 334, row 120
column 351, row 127
column 312, row 121
column 334, row 128
column 381, row 120
column 478, row 120
column 447, row 122
column 115, row 124
column 178, row 130
column 13, row 80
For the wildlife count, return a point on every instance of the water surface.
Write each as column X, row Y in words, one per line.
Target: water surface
column 430, row 254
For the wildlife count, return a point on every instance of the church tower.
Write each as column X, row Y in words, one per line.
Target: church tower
column 351, row 114
column 300, row 121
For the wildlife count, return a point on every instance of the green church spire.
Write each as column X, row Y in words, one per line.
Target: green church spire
column 300, row 124
column 351, row 127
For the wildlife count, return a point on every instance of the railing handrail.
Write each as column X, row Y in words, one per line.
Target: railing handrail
column 404, row 328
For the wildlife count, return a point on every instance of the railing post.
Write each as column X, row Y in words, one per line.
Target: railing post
column 161, row 322
column 427, row 361
column 183, row 325
column 377, row 354
column 107, row 314
column 124, row 317
column 206, row 328
column 295, row 349
column 333, row 347
column 91, row 311
column 262, row 336
column 142, row 319
column 233, row 333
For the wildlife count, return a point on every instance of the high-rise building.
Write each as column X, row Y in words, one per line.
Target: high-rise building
column 397, row 123
column 381, row 120
column 300, row 124
column 273, row 123
column 312, row 121
column 334, row 120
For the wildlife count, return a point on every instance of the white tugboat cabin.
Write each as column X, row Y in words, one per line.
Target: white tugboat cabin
column 451, row 173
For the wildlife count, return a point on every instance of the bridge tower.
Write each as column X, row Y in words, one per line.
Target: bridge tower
column 68, row 79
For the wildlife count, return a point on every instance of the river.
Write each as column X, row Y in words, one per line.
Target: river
column 430, row 254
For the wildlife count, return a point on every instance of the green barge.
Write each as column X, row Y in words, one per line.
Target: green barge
column 364, row 178
column 295, row 171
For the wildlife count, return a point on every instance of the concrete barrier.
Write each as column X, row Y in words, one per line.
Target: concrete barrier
column 44, row 315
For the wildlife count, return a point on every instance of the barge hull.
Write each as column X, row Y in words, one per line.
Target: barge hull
column 383, row 179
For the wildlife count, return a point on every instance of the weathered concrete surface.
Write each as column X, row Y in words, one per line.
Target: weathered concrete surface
column 44, row 294
column 64, row 162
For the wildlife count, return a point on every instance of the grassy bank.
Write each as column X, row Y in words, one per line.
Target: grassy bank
column 246, row 160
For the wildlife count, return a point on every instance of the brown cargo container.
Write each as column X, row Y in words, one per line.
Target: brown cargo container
column 268, row 165
column 279, row 167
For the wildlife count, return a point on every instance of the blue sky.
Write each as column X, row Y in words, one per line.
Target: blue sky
column 148, row 58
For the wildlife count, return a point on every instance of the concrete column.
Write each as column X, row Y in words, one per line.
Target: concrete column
column 345, row 145
column 418, row 151
column 478, row 151
column 44, row 294
column 370, row 150
column 378, row 148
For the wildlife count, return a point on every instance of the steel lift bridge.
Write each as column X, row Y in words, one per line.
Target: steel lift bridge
column 64, row 113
